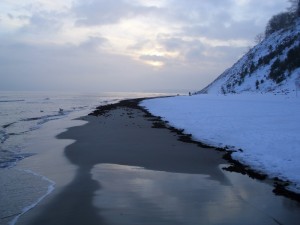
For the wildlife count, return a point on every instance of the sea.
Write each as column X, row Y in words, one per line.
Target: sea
column 23, row 114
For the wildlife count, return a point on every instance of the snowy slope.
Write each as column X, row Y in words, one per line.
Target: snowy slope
column 263, row 128
column 267, row 67
column 266, row 127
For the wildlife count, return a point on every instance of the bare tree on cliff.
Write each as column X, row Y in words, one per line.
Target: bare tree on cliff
column 283, row 19
column 278, row 22
column 295, row 7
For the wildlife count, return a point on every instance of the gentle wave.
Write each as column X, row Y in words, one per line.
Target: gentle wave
column 26, row 209
column 17, row 100
column 46, row 117
column 22, row 113
column 3, row 136
column 9, row 159
column 8, row 125
column 19, row 119
column 9, row 153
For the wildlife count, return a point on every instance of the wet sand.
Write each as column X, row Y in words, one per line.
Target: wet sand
column 131, row 173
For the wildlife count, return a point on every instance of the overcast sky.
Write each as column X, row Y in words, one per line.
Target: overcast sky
column 125, row 45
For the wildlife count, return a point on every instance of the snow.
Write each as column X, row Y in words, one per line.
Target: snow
column 230, row 81
column 265, row 127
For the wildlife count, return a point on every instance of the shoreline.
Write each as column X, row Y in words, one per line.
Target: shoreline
column 118, row 124
column 280, row 186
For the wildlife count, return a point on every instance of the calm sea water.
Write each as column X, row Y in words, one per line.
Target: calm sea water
column 188, row 198
column 24, row 115
column 24, row 112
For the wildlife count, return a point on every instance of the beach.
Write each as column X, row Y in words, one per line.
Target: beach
column 124, row 166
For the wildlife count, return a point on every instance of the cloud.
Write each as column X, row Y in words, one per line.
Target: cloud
column 125, row 44
column 225, row 30
column 140, row 44
column 154, row 58
column 172, row 43
column 10, row 16
column 226, row 19
column 63, row 67
column 100, row 12
column 93, row 43
column 71, row 67
column 193, row 11
column 41, row 22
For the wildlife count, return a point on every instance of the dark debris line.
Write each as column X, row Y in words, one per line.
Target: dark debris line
column 280, row 186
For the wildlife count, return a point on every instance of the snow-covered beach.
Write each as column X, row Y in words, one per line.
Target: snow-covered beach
column 129, row 171
column 127, row 165
column 263, row 129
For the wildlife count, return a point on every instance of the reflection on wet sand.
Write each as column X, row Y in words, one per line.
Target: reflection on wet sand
column 165, row 181
column 133, row 195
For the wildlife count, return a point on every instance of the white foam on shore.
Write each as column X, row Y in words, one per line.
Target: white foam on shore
column 31, row 206
column 44, row 123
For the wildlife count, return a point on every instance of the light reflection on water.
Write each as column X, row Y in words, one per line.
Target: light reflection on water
column 133, row 195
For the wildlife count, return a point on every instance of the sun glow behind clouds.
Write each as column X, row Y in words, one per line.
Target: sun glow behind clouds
column 137, row 38
column 120, row 36
column 177, row 38
column 151, row 3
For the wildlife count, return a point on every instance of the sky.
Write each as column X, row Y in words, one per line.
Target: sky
column 125, row 45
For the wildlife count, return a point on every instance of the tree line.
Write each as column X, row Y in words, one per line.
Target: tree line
column 284, row 19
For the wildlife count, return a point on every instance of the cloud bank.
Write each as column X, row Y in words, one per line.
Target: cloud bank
column 122, row 45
